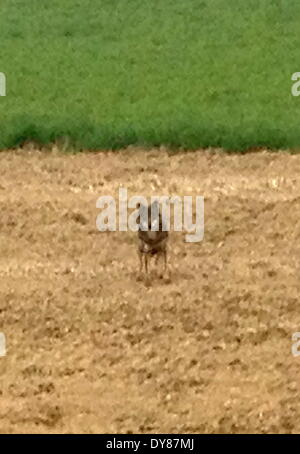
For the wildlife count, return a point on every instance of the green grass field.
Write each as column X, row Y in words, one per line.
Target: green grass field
column 109, row 73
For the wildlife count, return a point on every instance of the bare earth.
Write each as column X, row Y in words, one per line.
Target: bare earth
column 92, row 349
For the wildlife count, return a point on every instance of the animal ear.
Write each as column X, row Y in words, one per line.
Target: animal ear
column 143, row 215
column 155, row 209
column 155, row 206
column 141, row 206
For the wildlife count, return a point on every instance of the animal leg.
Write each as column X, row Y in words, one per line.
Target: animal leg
column 141, row 261
column 165, row 261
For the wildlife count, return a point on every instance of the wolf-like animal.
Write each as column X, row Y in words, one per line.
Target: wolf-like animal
column 152, row 236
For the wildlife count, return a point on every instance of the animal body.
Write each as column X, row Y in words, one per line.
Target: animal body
column 152, row 236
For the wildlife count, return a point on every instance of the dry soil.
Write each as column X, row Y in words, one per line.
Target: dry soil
column 91, row 349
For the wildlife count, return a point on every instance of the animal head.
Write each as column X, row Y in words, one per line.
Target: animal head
column 150, row 220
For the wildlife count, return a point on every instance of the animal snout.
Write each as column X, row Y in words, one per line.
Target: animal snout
column 152, row 235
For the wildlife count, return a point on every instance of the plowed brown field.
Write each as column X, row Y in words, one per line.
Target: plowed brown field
column 91, row 349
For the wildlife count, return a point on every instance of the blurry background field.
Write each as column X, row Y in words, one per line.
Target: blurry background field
column 108, row 73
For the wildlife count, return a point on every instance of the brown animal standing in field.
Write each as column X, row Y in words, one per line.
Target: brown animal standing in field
column 153, row 238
